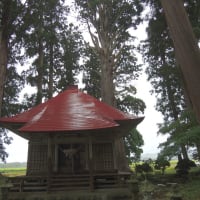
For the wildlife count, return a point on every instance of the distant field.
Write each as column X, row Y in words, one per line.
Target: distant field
column 169, row 170
column 13, row 165
column 13, row 171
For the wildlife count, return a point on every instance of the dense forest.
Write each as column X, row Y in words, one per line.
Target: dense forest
column 43, row 46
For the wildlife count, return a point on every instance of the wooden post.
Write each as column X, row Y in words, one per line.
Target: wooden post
column 121, row 160
column 186, row 48
column 49, row 161
column 56, row 158
column 28, row 159
column 91, row 165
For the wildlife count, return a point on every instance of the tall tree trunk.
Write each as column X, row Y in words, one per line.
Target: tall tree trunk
column 184, row 152
column 4, row 45
column 108, row 96
column 3, row 67
column 50, row 82
column 40, row 73
column 107, row 85
column 104, row 49
column 186, row 48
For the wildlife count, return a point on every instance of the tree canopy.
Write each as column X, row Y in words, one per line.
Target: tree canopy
column 42, row 33
column 167, row 80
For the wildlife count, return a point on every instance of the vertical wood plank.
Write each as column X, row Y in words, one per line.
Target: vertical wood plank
column 91, row 170
column 49, row 161
column 56, row 158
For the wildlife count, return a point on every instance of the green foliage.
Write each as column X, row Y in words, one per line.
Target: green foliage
column 168, row 84
column 161, row 163
column 10, row 21
column 92, row 73
column 145, row 167
column 127, row 102
column 55, row 46
column 10, row 105
column 3, row 154
column 73, row 49
column 162, row 70
column 183, row 166
column 119, row 13
column 133, row 144
column 185, row 130
column 108, row 23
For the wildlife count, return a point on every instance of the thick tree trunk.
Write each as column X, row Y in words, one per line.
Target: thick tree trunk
column 40, row 73
column 186, row 48
column 4, row 46
column 50, row 83
column 107, row 85
column 184, row 152
column 3, row 67
column 107, row 92
column 104, row 48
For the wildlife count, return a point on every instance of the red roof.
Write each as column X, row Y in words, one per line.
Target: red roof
column 71, row 110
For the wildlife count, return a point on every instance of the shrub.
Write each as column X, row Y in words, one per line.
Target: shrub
column 183, row 166
column 161, row 164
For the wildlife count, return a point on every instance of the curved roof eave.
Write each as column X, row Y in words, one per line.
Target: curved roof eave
column 71, row 110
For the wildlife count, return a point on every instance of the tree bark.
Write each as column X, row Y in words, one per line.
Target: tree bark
column 3, row 67
column 186, row 48
column 107, row 85
column 4, row 46
column 184, row 152
column 40, row 73
column 50, row 82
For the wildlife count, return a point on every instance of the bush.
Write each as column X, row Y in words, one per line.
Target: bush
column 143, row 169
column 183, row 166
column 161, row 164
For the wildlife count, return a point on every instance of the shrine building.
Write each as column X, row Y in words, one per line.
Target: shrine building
column 73, row 135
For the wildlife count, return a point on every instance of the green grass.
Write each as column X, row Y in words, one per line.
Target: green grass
column 190, row 190
column 10, row 172
column 171, row 169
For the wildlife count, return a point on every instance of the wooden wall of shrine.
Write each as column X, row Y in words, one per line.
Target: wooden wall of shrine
column 70, row 155
column 37, row 158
